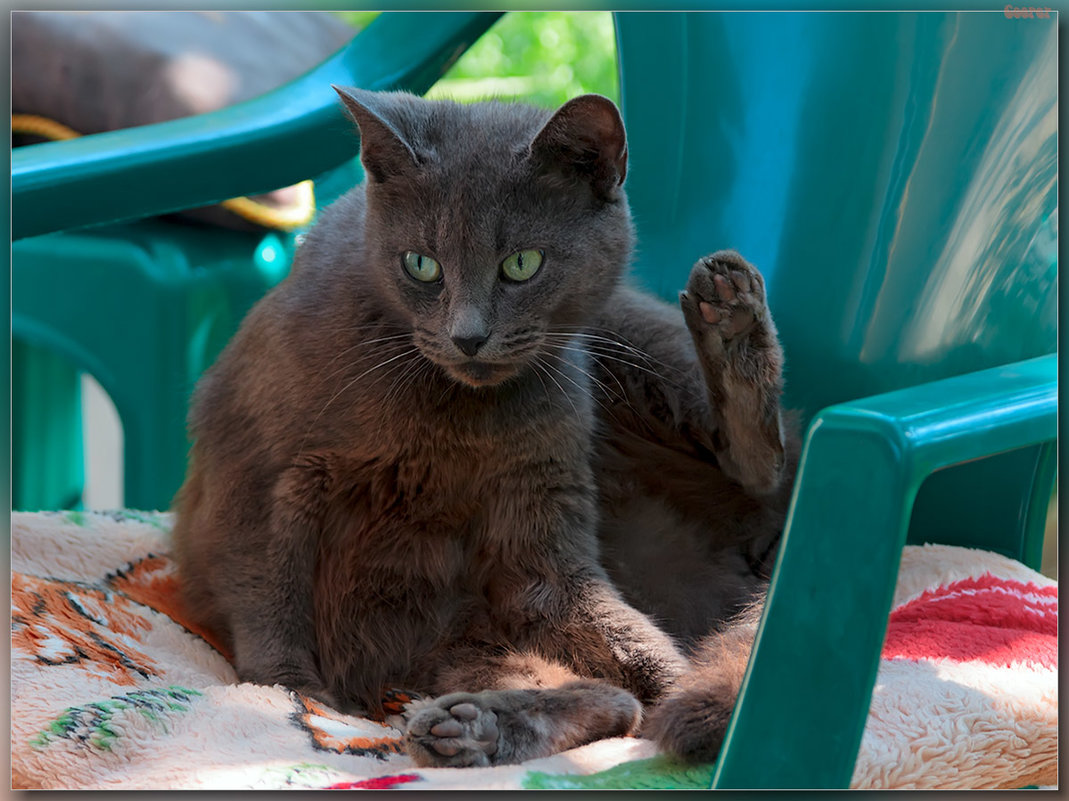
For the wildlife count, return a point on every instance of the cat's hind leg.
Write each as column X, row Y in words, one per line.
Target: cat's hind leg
column 692, row 718
column 726, row 311
column 531, row 707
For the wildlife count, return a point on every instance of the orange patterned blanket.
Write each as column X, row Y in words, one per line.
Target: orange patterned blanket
column 113, row 687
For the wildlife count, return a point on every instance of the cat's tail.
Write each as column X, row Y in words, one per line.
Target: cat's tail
column 691, row 719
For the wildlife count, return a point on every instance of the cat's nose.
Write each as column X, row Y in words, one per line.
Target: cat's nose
column 470, row 343
column 469, row 330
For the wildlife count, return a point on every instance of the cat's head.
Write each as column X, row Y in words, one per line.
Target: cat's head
column 495, row 230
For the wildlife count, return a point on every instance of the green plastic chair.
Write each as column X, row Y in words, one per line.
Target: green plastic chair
column 894, row 178
column 145, row 306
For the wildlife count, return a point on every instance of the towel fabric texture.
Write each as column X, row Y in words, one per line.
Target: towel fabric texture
column 112, row 687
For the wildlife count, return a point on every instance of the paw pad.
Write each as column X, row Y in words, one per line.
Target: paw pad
column 725, row 293
column 445, row 732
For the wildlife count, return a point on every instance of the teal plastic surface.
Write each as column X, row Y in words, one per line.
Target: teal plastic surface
column 144, row 308
column 894, row 178
column 893, row 175
column 46, row 442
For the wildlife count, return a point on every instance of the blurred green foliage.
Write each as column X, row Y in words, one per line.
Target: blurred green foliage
column 358, row 19
column 544, row 57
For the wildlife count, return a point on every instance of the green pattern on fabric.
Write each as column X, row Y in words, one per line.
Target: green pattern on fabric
column 155, row 519
column 309, row 775
column 91, row 724
column 656, row 773
column 76, row 517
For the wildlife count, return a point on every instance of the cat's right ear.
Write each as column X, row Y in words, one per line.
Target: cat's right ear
column 383, row 150
column 585, row 137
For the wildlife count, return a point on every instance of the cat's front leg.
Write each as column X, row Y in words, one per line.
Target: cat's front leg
column 726, row 311
column 605, row 654
column 271, row 619
column 579, row 661
column 606, row 637
column 580, row 671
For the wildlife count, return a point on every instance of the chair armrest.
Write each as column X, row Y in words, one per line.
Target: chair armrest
column 292, row 133
column 806, row 695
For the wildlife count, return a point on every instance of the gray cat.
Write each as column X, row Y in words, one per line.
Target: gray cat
column 404, row 461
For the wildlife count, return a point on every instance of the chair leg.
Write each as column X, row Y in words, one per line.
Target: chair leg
column 47, row 453
column 145, row 311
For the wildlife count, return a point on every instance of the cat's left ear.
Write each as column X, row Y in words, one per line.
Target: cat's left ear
column 383, row 150
column 586, row 137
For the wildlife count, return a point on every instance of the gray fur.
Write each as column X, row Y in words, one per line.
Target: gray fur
column 368, row 506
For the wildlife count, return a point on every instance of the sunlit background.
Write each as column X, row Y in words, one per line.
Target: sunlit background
column 542, row 57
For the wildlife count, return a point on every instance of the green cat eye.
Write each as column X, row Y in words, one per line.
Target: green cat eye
column 420, row 267
column 523, row 265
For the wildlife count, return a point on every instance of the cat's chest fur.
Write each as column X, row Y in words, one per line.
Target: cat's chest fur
column 421, row 479
column 436, row 525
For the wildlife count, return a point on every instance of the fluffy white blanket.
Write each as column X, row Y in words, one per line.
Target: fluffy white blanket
column 113, row 688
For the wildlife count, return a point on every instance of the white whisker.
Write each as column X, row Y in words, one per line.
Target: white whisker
column 589, row 394
column 616, row 343
column 348, row 384
column 545, row 366
column 357, row 345
column 622, row 394
column 408, row 375
column 595, row 349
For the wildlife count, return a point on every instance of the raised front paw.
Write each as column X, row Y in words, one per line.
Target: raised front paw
column 725, row 296
column 457, row 730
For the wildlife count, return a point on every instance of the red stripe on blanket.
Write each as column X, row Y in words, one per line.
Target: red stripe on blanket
column 381, row 783
column 993, row 620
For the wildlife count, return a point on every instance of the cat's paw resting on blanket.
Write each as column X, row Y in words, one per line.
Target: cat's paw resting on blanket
column 498, row 727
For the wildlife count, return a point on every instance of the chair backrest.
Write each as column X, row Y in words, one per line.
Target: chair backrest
column 234, row 151
column 894, row 178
